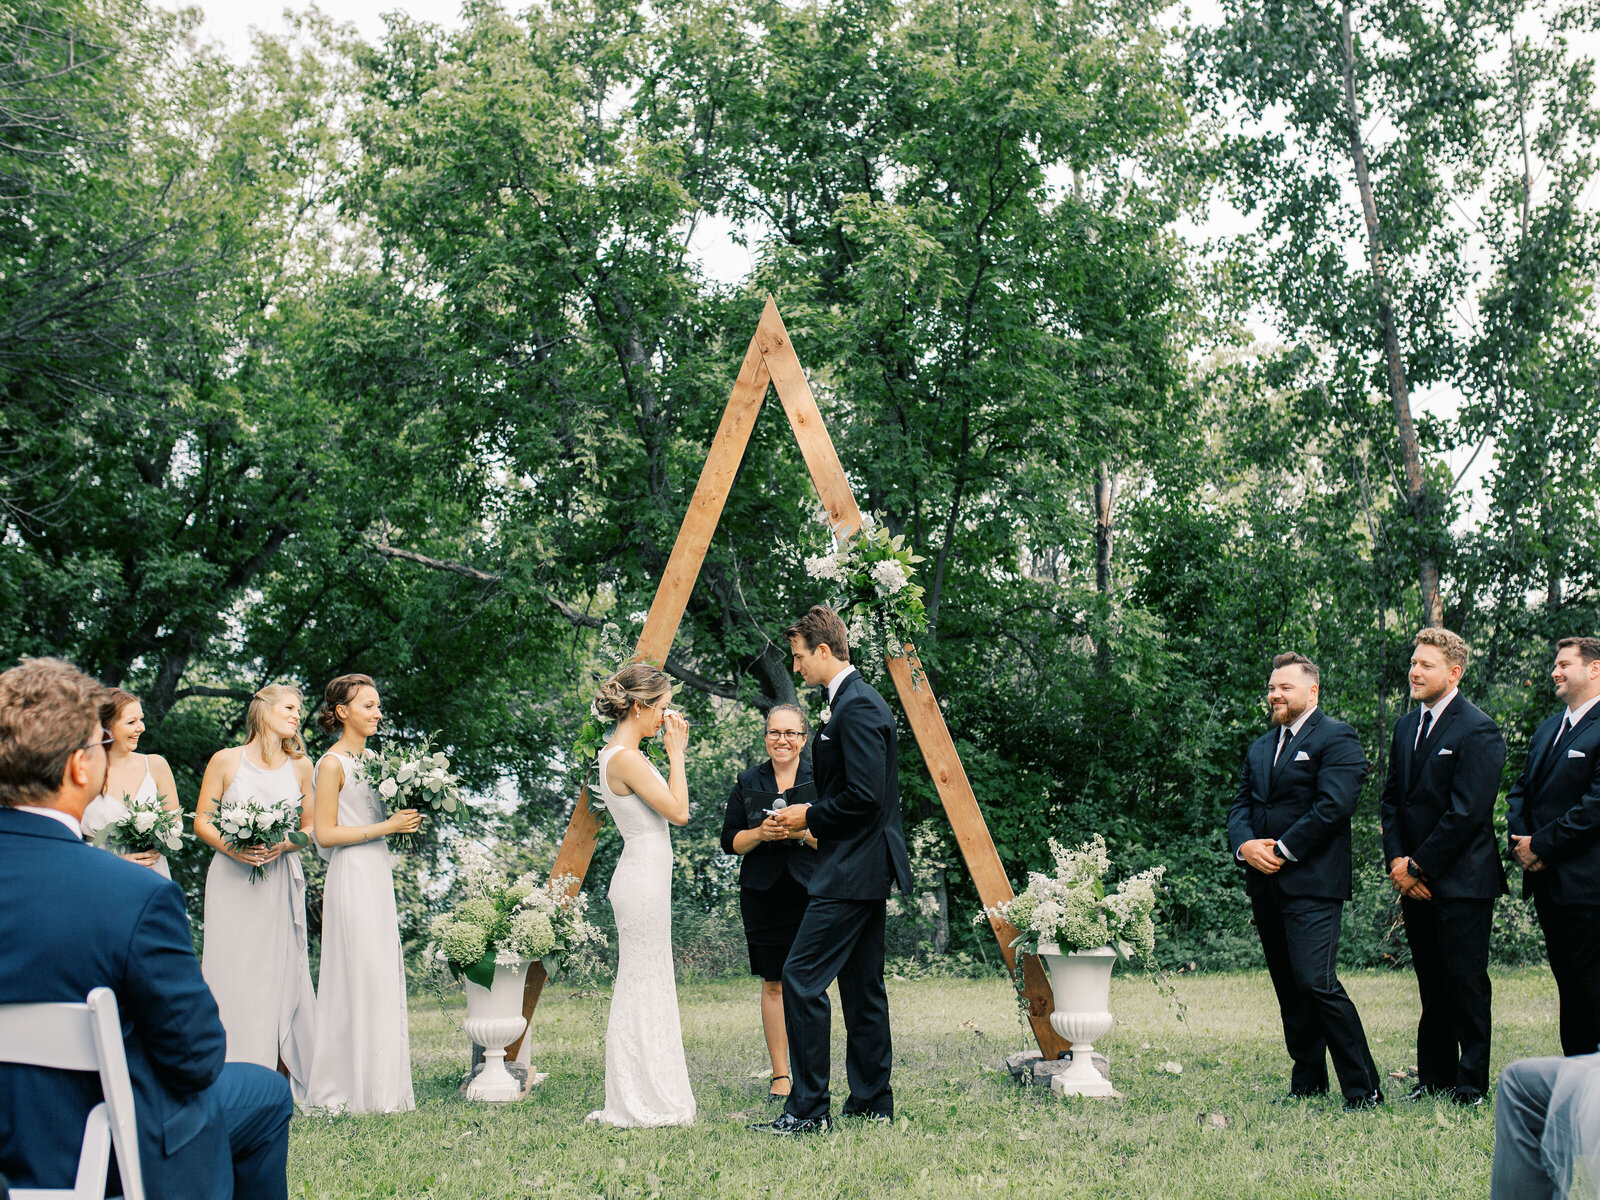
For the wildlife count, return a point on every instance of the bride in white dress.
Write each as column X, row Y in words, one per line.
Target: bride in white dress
column 138, row 776
column 363, row 1058
column 255, row 954
column 647, row 1080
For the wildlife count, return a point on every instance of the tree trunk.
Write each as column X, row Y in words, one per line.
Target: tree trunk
column 1105, row 496
column 1400, row 393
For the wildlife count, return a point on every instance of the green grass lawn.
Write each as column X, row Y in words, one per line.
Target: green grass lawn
column 963, row 1128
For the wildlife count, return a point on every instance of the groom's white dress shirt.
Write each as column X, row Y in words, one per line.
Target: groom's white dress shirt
column 838, row 681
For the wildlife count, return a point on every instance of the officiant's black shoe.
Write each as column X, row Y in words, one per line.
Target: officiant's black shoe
column 1467, row 1097
column 1360, row 1103
column 1423, row 1090
column 788, row 1125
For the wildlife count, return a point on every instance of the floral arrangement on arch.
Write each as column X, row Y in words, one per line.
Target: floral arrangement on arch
column 503, row 922
column 876, row 590
column 1072, row 908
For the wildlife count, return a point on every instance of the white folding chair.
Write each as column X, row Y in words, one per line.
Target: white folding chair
column 81, row 1037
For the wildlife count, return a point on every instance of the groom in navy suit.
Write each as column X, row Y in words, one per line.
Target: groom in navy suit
column 74, row 918
column 860, row 856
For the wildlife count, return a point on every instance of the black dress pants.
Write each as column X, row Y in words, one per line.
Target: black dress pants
column 1449, row 942
column 1300, row 939
column 1572, row 940
column 843, row 940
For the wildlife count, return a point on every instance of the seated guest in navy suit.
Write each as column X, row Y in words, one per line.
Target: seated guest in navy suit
column 72, row 919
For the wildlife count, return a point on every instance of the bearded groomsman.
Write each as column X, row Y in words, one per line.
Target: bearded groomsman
column 1554, row 824
column 1445, row 762
column 1290, row 828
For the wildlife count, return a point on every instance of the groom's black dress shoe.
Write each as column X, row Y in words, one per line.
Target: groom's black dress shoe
column 788, row 1125
column 1467, row 1097
column 1357, row 1103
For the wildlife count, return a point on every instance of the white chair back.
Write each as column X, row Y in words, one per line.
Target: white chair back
column 81, row 1037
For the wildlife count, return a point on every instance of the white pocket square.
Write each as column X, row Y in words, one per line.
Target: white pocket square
column 1443, row 750
column 1576, row 754
column 1301, row 756
column 822, row 737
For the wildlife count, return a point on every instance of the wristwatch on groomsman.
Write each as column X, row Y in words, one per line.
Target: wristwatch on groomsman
column 1412, row 869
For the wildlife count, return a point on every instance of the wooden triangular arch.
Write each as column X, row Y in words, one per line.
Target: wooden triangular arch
column 771, row 359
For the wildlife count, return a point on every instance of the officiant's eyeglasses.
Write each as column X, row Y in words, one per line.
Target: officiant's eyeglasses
column 785, row 735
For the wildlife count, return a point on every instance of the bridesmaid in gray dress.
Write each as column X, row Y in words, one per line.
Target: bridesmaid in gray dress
column 255, row 954
column 363, row 1059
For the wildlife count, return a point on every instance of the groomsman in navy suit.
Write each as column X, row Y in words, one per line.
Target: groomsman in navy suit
column 1290, row 828
column 1554, row 827
column 860, row 856
column 1445, row 762
column 74, row 918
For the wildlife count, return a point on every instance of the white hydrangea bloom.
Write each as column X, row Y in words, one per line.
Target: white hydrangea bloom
column 825, row 566
column 889, row 576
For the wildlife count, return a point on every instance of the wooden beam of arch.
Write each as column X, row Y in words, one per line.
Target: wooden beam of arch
column 771, row 359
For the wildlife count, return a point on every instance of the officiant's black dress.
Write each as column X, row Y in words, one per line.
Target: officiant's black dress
column 773, row 877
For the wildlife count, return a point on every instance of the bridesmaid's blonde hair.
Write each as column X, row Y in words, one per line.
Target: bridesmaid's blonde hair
column 255, row 717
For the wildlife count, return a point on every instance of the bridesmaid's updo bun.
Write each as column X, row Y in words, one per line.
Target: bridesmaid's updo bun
column 340, row 691
column 636, row 683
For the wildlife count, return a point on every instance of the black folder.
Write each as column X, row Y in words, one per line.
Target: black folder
column 757, row 803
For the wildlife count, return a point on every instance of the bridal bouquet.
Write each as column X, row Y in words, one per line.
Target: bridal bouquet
column 501, row 922
column 253, row 822
column 878, row 597
column 147, row 827
column 1073, row 909
column 417, row 778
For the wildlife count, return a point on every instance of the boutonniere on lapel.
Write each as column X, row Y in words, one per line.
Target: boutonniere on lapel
column 827, row 713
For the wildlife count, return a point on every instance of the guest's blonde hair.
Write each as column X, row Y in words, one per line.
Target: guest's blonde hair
column 255, row 717
column 1452, row 645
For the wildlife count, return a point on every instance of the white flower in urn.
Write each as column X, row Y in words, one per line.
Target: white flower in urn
column 889, row 576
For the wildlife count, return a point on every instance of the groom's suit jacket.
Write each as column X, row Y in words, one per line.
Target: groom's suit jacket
column 1556, row 800
column 1438, row 801
column 73, row 918
column 1305, row 801
column 862, row 846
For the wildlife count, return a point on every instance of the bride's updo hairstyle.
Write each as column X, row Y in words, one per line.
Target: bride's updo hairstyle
column 636, row 683
column 340, row 691
column 255, row 717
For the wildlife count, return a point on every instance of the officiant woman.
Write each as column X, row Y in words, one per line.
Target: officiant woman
column 774, row 875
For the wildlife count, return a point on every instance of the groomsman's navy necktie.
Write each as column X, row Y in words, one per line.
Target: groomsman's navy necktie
column 1427, row 726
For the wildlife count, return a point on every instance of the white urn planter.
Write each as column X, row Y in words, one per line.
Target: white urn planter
column 1081, row 983
column 494, row 1021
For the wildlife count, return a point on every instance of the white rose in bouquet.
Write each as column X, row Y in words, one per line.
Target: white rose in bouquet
column 144, row 822
column 388, row 789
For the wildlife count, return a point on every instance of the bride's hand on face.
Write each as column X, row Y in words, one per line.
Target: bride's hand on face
column 674, row 732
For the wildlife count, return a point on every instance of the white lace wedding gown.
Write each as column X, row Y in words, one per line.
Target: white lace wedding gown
column 363, row 1058
column 255, row 955
column 647, row 1080
column 106, row 808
